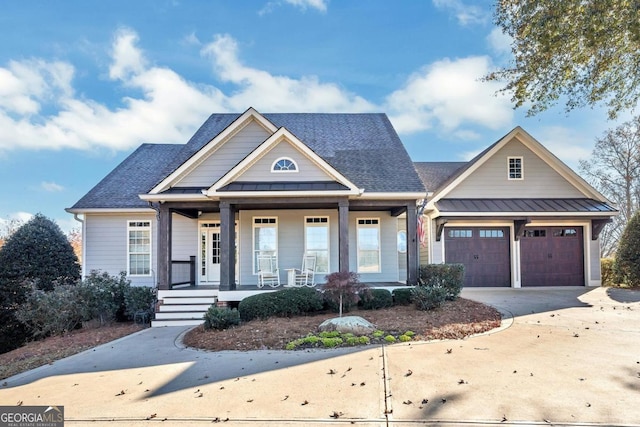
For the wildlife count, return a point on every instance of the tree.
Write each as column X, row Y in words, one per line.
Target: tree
column 75, row 239
column 40, row 253
column 585, row 51
column 627, row 264
column 9, row 228
column 614, row 169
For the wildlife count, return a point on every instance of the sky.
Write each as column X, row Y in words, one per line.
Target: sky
column 85, row 82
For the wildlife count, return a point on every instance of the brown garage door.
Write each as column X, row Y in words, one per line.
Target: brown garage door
column 484, row 251
column 552, row 256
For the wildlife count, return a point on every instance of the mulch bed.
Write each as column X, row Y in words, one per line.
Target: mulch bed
column 454, row 320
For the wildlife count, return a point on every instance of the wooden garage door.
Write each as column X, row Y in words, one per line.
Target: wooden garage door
column 552, row 256
column 484, row 251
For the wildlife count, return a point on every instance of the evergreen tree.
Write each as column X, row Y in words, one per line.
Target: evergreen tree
column 39, row 253
column 628, row 254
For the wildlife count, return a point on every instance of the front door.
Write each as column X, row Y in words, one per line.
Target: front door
column 210, row 252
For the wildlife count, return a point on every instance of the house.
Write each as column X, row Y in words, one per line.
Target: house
column 197, row 219
column 515, row 216
column 193, row 219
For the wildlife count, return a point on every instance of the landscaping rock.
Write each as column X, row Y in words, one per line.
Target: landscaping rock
column 348, row 324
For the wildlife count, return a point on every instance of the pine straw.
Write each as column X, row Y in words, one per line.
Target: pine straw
column 39, row 353
column 454, row 320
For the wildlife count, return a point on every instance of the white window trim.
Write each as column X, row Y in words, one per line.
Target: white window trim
column 254, row 268
column 358, row 226
column 129, row 253
column 273, row 165
column 328, row 239
column 521, row 168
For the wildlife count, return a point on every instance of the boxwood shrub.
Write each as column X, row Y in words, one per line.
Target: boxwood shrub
column 220, row 318
column 283, row 303
column 401, row 296
column 450, row 277
column 376, row 299
column 428, row 297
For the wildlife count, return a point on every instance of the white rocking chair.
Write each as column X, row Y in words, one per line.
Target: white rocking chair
column 306, row 275
column 268, row 272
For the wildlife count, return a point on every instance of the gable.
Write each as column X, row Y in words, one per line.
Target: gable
column 228, row 154
column 490, row 179
column 262, row 169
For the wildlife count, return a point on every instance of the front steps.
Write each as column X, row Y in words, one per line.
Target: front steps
column 183, row 307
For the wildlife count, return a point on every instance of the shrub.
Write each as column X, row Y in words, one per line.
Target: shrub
column 343, row 290
column 378, row 334
column 331, row 342
column 376, row 299
column 40, row 253
column 401, row 296
column 390, row 339
column 428, row 297
column 139, row 299
column 627, row 263
column 51, row 313
column 220, row 318
column 608, row 273
column 103, row 296
column 404, row 338
column 13, row 333
column 447, row 276
column 283, row 303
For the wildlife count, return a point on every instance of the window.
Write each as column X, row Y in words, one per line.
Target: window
column 368, row 246
column 535, row 233
column 460, row 234
column 402, row 241
column 265, row 239
column 139, row 248
column 316, row 241
column 565, row 232
column 515, row 168
column 495, row 234
column 284, row 164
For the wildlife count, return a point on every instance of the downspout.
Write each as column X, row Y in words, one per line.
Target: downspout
column 84, row 246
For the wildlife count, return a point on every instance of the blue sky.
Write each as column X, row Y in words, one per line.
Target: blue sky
column 83, row 83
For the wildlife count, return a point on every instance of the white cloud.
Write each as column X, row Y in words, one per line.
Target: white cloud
column 267, row 92
column 12, row 221
column 466, row 14
column 168, row 108
column 449, row 94
column 319, row 5
column 51, row 187
column 499, row 42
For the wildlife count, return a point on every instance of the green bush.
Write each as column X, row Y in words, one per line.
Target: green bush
column 401, row 296
column 40, row 253
column 627, row 264
column 331, row 342
column 13, row 333
column 139, row 299
column 447, row 276
column 376, row 299
column 220, row 318
column 104, row 296
column 51, row 313
column 390, row 339
column 283, row 303
column 428, row 297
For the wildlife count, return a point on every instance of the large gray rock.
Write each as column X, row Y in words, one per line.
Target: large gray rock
column 353, row 324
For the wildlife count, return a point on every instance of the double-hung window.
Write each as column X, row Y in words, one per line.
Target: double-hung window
column 316, row 240
column 265, row 238
column 369, row 245
column 139, row 248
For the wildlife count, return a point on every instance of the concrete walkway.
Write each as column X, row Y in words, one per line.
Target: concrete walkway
column 568, row 357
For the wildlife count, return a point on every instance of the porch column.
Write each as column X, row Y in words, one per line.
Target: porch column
column 412, row 245
column 343, row 236
column 164, row 247
column 227, row 246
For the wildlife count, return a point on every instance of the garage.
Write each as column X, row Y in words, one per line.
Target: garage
column 552, row 256
column 484, row 252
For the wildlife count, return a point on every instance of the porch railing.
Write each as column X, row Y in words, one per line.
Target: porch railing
column 183, row 272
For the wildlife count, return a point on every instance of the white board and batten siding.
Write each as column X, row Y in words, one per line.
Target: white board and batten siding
column 106, row 239
column 490, row 179
column 225, row 157
column 261, row 170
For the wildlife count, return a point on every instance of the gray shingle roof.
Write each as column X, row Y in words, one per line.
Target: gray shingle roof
column 363, row 147
column 434, row 174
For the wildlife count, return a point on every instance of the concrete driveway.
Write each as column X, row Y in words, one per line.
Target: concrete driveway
column 567, row 357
